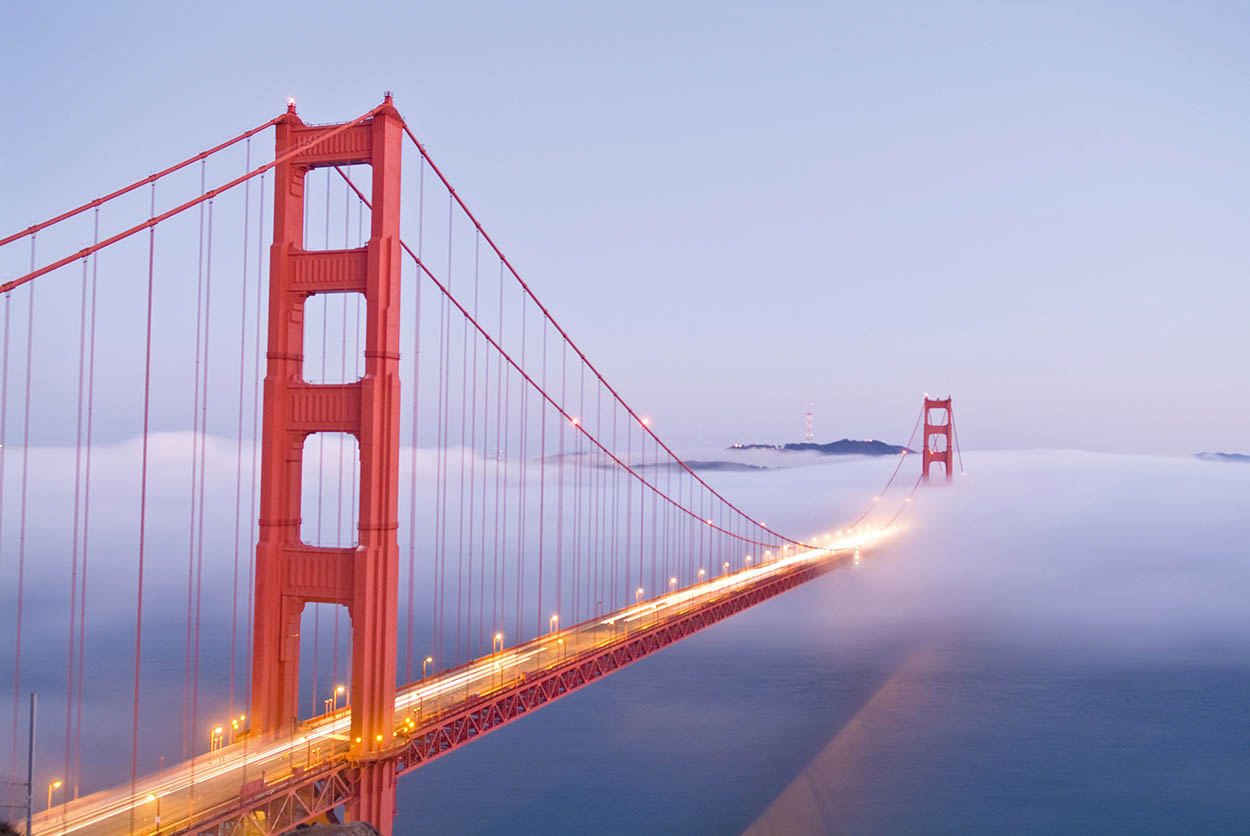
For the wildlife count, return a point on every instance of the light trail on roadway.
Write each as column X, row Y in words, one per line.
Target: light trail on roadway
column 194, row 790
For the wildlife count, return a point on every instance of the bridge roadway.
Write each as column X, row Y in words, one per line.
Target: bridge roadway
column 195, row 793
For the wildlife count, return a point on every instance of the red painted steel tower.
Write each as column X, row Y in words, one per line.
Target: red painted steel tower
column 289, row 572
column 937, row 437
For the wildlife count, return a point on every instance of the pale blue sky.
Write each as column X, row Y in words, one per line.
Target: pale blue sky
column 1038, row 208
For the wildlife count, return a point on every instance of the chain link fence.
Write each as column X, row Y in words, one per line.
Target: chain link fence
column 12, row 801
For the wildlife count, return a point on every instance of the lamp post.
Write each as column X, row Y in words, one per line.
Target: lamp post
column 637, row 596
column 340, row 689
column 496, row 646
column 215, row 738
column 425, row 664
column 552, row 622
column 702, row 572
column 55, row 785
column 672, row 584
column 725, row 567
column 157, row 821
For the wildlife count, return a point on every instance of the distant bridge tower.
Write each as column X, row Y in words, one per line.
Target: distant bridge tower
column 808, row 416
column 937, row 437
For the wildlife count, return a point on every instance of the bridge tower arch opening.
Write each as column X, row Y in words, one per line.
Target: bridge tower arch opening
column 290, row 573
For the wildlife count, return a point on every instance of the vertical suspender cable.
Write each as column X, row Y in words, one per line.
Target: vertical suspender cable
column 564, row 355
column 321, row 471
column 481, row 563
column 199, row 549
column 472, row 450
column 256, row 378
column 73, row 573
column 503, row 384
column 416, row 403
column 21, row 520
column 542, row 483
column 338, row 503
column 523, row 478
column 238, row 455
column 629, row 513
column 143, row 511
column 4, row 420
column 464, row 399
column 188, row 730
column 86, row 516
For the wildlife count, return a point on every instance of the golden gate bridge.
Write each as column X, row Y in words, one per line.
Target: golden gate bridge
column 533, row 536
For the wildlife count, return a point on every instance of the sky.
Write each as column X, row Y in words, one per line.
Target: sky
column 738, row 208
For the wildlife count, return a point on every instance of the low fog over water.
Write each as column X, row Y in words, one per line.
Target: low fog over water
column 1057, row 642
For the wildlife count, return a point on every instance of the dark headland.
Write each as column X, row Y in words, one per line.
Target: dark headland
column 845, row 447
column 1222, row 457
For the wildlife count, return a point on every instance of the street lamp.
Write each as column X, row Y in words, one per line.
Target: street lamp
column 425, row 664
column 55, row 785
column 552, row 622
column 154, row 797
column 341, row 689
column 638, row 595
column 725, row 566
column 561, row 643
column 702, row 572
column 748, row 560
column 215, row 738
column 497, row 645
column 672, row 584
column 329, row 701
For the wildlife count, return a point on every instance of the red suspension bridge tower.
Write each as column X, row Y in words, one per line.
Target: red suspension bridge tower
column 938, row 445
column 290, row 573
